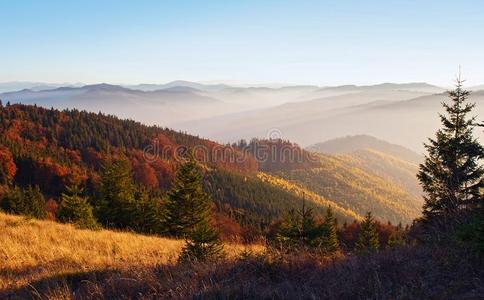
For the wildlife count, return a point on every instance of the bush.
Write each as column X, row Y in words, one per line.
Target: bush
column 76, row 209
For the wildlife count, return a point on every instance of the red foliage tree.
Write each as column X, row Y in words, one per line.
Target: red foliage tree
column 145, row 175
column 51, row 207
column 7, row 165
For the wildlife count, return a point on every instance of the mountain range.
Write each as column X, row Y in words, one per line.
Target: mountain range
column 400, row 113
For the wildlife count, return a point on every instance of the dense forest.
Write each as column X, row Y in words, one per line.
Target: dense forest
column 51, row 151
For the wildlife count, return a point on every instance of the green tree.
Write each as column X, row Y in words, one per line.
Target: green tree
column 202, row 244
column 328, row 242
column 298, row 228
column 368, row 238
column 149, row 212
column 188, row 214
column 75, row 208
column 28, row 202
column 187, row 204
column 116, row 204
column 451, row 175
column 13, row 201
column 395, row 239
column 288, row 233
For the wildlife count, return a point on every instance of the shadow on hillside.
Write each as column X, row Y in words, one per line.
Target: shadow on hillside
column 28, row 271
column 71, row 282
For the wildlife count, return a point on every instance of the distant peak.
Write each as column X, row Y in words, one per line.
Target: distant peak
column 103, row 86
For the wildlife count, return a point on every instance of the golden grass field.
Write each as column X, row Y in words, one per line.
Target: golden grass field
column 48, row 260
column 31, row 250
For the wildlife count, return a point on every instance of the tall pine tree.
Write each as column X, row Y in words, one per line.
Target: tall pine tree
column 187, row 204
column 451, row 175
column 368, row 238
column 329, row 237
column 299, row 229
column 116, row 204
column 188, row 213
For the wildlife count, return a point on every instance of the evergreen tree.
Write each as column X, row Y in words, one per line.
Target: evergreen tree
column 328, row 242
column 188, row 214
column 187, row 204
column 202, row 244
column 35, row 202
column 289, row 230
column 395, row 239
column 116, row 205
column 308, row 229
column 298, row 228
column 149, row 212
column 75, row 208
column 451, row 175
column 13, row 201
column 368, row 238
column 28, row 202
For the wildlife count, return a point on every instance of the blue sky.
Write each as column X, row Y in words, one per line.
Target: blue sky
column 314, row 42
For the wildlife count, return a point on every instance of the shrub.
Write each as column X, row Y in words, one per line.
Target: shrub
column 76, row 209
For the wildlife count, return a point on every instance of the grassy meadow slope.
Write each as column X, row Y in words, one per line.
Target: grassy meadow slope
column 33, row 251
column 45, row 260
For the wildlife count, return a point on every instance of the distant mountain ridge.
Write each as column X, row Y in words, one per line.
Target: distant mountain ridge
column 400, row 113
column 348, row 144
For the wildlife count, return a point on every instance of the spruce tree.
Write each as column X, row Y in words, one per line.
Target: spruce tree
column 75, row 208
column 29, row 202
column 288, row 233
column 202, row 244
column 13, row 201
column 35, row 202
column 308, row 229
column 328, row 241
column 395, row 239
column 188, row 214
column 451, row 175
column 298, row 228
column 187, row 204
column 116, row 204
column 368, row 238
column 149, row 212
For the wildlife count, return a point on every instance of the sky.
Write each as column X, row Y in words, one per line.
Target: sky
column 294, row 42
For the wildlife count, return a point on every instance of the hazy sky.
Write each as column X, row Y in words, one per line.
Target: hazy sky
column 317, row 42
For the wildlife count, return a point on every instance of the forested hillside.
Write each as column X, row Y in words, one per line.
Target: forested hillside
column 357, row 185
column 44, row 152
column 401, row 172
column 54, row 150
column 354, row 189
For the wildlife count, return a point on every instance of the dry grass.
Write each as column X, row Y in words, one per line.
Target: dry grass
column 31, row 250
column 45, row 260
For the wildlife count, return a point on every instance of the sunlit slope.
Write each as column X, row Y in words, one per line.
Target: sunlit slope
column 401, row 172
column 357, row 190
column 298, row 190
